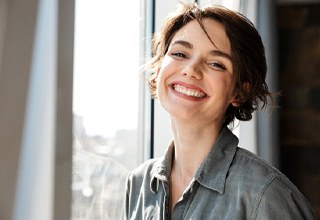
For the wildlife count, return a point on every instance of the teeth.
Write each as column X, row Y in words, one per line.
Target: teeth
column 189, row 92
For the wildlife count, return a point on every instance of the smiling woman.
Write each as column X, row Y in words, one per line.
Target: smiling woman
column 209, row 68
column 200, row 68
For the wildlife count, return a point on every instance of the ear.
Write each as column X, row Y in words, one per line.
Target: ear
column 235, row 102
column 239, row 97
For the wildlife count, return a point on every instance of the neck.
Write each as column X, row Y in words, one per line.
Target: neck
column 192, row 144
column 193, row 141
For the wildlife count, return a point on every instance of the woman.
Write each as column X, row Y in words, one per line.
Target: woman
column 209, row 68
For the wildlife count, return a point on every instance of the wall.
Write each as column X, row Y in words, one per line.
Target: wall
column 299, row 64
column 3, row 24
column 16, row 41
column 36, row 57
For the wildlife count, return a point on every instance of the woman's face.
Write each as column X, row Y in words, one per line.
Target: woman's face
column 195, row 80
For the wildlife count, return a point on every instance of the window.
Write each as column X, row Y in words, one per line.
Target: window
column 106, row 105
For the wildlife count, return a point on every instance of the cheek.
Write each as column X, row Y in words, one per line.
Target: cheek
column 163, row 74
column 223, row 88
column 166, row 67
column 160, row 83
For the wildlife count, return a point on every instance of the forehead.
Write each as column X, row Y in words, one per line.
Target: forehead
column 194, row 33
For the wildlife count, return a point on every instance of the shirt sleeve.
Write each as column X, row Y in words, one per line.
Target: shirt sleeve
column 280, row 199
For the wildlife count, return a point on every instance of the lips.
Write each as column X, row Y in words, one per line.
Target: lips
column 188, row 90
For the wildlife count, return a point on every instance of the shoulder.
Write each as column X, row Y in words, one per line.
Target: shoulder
column 252, row 171
column 280, row 198
column 260, row 173
column 143, row 172
column 275, row 195
column 145, row 167
column 138, row 188
column 253, row 164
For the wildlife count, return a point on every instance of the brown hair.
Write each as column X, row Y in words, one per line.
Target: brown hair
column 247, row 52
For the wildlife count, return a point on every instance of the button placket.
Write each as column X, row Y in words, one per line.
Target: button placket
column 166, row 208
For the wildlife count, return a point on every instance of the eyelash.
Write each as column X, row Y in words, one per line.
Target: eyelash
column 178, row 54
column 217, row 65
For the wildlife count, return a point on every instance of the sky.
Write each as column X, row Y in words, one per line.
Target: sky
column 106, row 65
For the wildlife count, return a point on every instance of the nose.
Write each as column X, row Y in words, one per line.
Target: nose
column 193, row 70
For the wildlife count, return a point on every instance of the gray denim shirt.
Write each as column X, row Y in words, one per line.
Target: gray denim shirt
column 231, row 183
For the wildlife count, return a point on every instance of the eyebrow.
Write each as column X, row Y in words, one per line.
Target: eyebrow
column 212, row 52
column 183, row 43
column 221, row 54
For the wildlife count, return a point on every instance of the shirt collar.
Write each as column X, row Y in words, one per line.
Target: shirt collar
column 214, row 170
column 212, row 173
column 162, row 169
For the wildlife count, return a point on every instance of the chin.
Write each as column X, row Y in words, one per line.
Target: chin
column 183, row 114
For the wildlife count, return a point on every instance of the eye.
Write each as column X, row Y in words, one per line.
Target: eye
column 178, row 54
column 217, row 66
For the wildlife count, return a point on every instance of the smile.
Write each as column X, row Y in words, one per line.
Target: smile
column 188, row 91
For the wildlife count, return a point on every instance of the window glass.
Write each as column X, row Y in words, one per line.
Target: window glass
column 105, row 107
